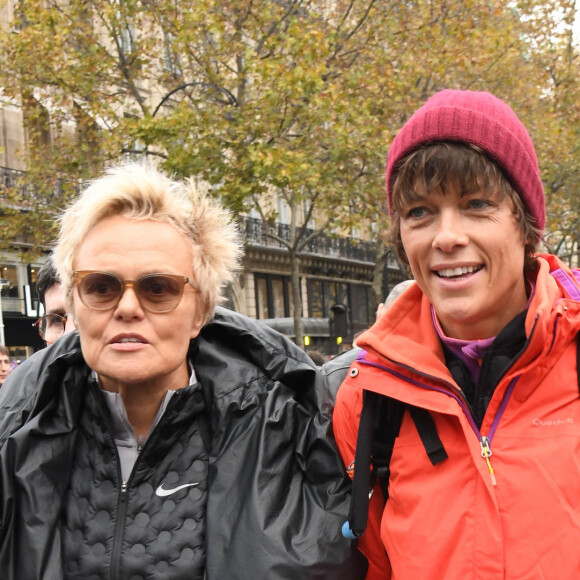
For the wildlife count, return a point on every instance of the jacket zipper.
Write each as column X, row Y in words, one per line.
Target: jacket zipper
column 123, row 499
column 119, row 532
column 486, row 454
column 450, row 391
column 485, row 442
column 122, row 511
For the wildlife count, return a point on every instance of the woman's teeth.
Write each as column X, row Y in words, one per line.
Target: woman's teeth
column 460, row 271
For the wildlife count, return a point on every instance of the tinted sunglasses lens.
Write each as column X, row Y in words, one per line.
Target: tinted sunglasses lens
column 159, row 293
column 100, row 291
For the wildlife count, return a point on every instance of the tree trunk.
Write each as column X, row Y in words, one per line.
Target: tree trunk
column 379, row 276
column 297, row 298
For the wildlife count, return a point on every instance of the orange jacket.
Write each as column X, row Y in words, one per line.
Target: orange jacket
column 450, row 521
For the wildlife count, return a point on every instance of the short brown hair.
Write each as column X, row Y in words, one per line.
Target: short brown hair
column 461, row 167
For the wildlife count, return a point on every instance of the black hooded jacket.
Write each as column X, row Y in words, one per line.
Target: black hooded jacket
column 240, row 479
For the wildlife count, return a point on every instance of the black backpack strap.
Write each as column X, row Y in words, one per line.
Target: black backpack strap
column 361, row 483
column 379, row 426
column 388, row 421
column 428, row 433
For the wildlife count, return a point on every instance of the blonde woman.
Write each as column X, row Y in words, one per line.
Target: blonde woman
column 165, row 438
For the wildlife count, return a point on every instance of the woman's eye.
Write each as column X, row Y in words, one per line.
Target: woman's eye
column 478, row 203
column 157, row 289
column 101, row 288
column 417, row 212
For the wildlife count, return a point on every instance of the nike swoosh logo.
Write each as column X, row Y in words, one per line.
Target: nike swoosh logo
column 161, row 492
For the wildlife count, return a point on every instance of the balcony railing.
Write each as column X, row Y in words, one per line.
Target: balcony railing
column 256, row 234
column 11, row 177
column 16, row 179
column 255, row 230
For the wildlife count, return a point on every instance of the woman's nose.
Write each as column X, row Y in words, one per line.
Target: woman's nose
column 450, row 231
column 129, row 305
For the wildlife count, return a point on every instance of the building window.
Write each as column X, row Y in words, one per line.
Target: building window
column 36, row 121
column 273, row 296
column 9, row 281
column 32, row 277
column 9, row 291
column 324, row 294
column 360, row 303
column 316, row 303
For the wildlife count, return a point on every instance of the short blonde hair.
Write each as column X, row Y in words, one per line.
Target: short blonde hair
column 141, row 192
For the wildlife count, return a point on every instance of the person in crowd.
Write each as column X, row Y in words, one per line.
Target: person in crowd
column 5, row 367
column 336, row 368
column 317, row 357
column 168, row 437
column 56, row 320
column 481, row 353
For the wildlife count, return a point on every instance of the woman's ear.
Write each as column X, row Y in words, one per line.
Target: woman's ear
column 200, row 314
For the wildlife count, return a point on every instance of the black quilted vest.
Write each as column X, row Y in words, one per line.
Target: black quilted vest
column 112, row 530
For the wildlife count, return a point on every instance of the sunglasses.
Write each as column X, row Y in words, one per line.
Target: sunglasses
column 156, row 292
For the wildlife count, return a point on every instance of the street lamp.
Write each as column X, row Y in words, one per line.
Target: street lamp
column 3, row 282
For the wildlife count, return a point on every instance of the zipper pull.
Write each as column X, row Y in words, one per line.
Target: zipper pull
column 486, row 454
column 124, row 488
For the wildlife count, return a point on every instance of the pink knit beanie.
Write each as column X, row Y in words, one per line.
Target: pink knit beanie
column 481, row 119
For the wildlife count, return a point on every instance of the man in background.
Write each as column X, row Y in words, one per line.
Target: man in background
column 317, row 357
column 56, row 320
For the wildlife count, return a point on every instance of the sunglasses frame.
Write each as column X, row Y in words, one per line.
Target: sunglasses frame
column 38, row 324
column 79, row 275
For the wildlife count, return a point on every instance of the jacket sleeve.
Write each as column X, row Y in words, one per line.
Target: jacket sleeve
column 37, row 441
column 345, row 420
column 21, row 394
column 335, row 369
column 278, row 493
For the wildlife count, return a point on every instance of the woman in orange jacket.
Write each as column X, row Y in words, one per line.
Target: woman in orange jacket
column 484, row 344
